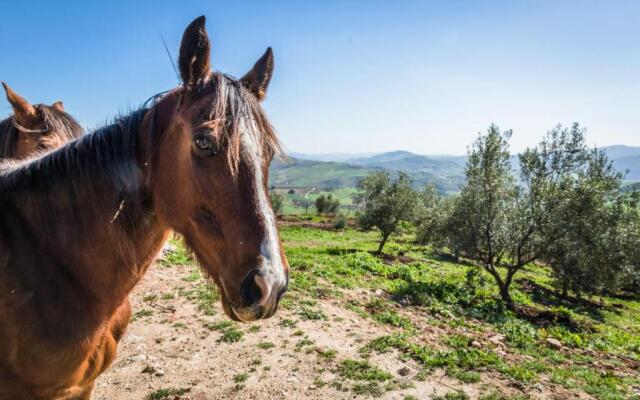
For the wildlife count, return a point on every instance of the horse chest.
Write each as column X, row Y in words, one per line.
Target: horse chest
column 54, row 370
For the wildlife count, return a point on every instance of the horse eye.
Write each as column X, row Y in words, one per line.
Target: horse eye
column 204, row 144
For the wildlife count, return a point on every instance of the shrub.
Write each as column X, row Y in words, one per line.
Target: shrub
column 277, row 202
column 327, row 204
column 340, row 222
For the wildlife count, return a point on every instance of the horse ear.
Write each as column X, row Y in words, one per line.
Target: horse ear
column 195, row 50
column 257, row 80
column 23, row 110
column 58, row 105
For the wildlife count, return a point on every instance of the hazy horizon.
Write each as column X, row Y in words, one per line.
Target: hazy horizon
column 371, row 153
column 352, row 76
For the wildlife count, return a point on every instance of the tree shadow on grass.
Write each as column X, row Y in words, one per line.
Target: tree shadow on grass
column 550, row 298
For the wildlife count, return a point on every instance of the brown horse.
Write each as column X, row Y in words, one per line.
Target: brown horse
column 34, row 128
column 80, row 226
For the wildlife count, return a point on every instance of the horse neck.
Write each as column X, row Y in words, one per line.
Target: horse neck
column 94, row 238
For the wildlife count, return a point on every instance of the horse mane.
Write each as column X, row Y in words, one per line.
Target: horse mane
column 54, row 120
column 112, row 151
column 105, row 150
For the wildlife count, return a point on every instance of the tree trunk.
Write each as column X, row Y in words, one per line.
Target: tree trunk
column 385, row 236
column 506, row 296
column 504, row 289
column 565, row 288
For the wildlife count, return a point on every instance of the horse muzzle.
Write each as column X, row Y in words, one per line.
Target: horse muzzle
column 260, row 295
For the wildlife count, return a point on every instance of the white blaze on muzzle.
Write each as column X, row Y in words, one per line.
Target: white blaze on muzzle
column 272, row 273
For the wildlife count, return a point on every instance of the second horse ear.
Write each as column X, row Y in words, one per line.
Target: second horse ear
column 257, row 80
column 22, row 109
column 195, row 50
column 58, row 106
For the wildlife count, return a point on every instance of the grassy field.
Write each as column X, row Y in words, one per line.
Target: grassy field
column 408, row 325
column 600, row 352
column 294, row 202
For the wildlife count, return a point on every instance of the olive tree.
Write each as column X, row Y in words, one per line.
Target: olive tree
column 327, row 204
column 601, row 231
column 385, row 203
column 277, row 202
column 433, row 219
column 485, row 209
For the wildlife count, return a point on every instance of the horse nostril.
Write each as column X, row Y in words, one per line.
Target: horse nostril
column 250, row 290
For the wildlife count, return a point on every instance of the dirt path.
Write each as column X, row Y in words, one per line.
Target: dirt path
column 172, row 345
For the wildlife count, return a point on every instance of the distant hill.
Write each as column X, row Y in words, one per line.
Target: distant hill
column 620, row 151
column 410, row 162
column 630, row 165
column 391, row 156
column 298, row 172
column 446, row 172
column 327, row 157
column 625, row 158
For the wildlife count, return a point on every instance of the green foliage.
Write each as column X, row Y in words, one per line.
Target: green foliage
column 175, row 253
column 328, row 354
column 241, row 377
column 307, row 313
column 327, row 204
column 369, row 389
column 519, row 333
column 433, row 218
column 167, row 393
column 340, row 222
column 277, row 202
column 231, row 335
column 265, row 345
column 386, row 203
column 566, row 208
column 457, row 395
column 460, row 299
column 362, row 371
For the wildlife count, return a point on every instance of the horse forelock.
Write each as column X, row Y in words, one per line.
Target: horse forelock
column 233, row 110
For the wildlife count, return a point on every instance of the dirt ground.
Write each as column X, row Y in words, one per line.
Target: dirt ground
column 169, row 345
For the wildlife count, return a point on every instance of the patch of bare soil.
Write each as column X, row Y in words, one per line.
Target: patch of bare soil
column 287, row 220
column 172, row 344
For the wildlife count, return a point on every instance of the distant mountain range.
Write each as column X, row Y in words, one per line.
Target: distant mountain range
column 446, row 172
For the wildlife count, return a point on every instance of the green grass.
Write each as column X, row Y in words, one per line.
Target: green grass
column 242, row 377
column 327, row 354
column 166, row 393
column 145, row 312
column 203, row 294
column 265, row 345
column 229, row 330
column 177, row 253
column 231, row 335
column 457, row 395
column 362, row 371
column 461, row 298
column 457, row 298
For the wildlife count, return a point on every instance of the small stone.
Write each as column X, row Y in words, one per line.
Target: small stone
column 554, row 343
column 159, row 372
column 149, row 369
column 476, row 344
column 497, row 340
column 138, row 357
column 404, row 371
column 539, row 387
column 379, row 292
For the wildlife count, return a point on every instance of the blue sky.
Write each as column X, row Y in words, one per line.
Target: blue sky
column 351, row 76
